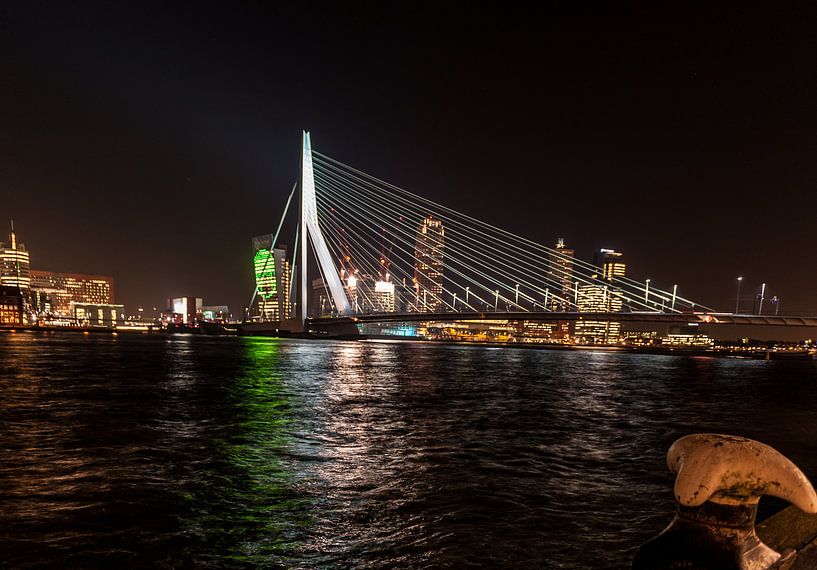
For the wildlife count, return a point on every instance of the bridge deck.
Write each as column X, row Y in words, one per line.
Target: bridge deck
column 637, row 317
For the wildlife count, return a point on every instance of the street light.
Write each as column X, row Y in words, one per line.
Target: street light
column 467, row 289
column 496, row 300
column 674, row 291
column 737, row 299
column 762, row 295
column 517, row 294
column 647, row 293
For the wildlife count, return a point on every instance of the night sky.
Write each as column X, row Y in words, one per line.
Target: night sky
column 151, row 142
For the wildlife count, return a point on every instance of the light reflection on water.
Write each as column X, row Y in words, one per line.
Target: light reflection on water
column 250, row 452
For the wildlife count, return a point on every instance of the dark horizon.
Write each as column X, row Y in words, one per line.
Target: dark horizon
column 152, row 145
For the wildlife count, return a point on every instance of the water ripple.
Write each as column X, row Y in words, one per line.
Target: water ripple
column 243, row 452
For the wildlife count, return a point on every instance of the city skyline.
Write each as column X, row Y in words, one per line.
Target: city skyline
column 71, row 299
column 426, row 277
column 144, row 168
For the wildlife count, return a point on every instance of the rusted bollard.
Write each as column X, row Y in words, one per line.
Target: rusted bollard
column 719, row 481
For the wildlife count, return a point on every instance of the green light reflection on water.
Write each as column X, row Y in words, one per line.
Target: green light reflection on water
column 251, row 509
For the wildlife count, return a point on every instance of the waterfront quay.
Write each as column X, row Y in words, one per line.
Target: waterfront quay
column 638, row 344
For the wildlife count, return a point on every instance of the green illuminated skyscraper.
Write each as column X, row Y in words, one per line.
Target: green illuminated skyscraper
column 272, row 276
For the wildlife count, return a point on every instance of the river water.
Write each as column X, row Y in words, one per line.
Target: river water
column 154, row 451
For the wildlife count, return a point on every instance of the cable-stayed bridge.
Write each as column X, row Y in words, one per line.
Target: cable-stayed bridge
column 380, row 254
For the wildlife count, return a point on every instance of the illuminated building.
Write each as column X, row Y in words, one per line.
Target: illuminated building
column 385, row 294
column 472, row 331
column 275, row 304
column 384, row 298
column 390, row 329
column 366, row 292
column 285, row 282
column 264, row 268
column 540, row 331
column 612, row 266
column 15, row 264
column 366, row 295
column 561, row 271
column 39, row 301
column 592, row 298
column 11, row 306
column 98, row 314
column 640, row 338
column 428, row 265
column 272, row 280
column 561, row 274
column 601, row 297
column 216, row 313
column 350, row 286
column 611, row 263
column 687, row 336
column 183, row 310
column 688, row 340
column 63, row 289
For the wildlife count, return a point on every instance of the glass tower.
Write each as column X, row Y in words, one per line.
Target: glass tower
column 428, row 265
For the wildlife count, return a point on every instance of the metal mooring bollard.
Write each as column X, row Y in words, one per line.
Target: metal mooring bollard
column 719, row 481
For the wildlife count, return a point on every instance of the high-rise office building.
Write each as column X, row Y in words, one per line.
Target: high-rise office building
column 561, row 274
column 284, row 272
column 15, row 264
column 596, row 297
column 264, row 268
column 428, row 265
column 272, row 280
column 63, row 289
column 611, row 263
column 601, row 296
column 561, row 286
column 612, row 266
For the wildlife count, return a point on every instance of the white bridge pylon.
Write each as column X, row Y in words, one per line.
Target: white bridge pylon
column 310, row 230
